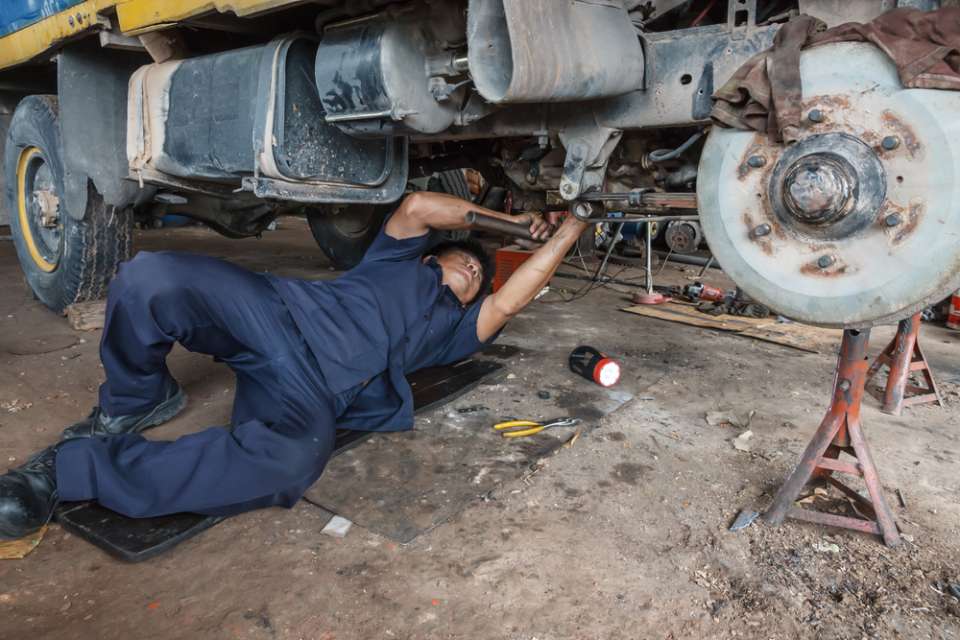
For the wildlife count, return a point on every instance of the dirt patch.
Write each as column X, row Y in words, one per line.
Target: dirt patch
column 630, row 472
column 621, row 535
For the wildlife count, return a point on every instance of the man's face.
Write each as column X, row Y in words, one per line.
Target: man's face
column 462, row 272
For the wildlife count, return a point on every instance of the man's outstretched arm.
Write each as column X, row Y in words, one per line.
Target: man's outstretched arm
column 423, row 210
column 527, row 281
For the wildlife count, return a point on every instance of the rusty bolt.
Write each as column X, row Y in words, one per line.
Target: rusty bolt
column 889, row 143
column 893, row 220
column 756, row 161
column 815, row 115
column 761, row 230
column 825, row 261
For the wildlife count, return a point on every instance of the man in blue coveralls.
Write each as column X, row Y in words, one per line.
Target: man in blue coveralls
column 308, row 357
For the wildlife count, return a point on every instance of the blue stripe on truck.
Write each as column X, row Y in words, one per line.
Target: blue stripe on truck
column 17, row 14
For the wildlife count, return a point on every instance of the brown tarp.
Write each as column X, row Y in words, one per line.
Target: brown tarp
column 764, row 94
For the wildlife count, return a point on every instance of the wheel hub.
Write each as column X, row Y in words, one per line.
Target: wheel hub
column 828, row 185
column 38, row 210
column 819, row 189
column 855, row 223
column 48, row 205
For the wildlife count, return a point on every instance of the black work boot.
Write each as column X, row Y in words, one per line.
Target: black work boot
column 28, row 495
column 99, row 423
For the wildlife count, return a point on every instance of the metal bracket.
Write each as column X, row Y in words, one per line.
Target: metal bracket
column 741, row 15
column 588, row 146
column 326, row 192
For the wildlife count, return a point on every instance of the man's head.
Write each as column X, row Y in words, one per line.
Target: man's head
column 467, row 269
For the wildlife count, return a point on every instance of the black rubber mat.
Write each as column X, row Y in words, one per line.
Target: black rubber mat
column 139, row 539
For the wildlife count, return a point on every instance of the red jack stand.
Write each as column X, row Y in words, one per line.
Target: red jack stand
column 840, row 431
column 903, row 356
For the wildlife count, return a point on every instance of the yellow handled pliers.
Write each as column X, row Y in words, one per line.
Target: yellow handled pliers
column 523, row 428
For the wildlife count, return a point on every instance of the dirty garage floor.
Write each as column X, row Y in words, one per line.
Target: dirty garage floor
column 622, row 535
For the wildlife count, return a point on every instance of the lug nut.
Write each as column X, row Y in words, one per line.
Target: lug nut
column 756, row 161
column 893, row 220
column 825, row 261
column 761, row 230
column 889, row 143
column 815, row 115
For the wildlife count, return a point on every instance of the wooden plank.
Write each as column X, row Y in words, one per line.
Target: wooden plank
column 788, row 337
column 689, row 315
column 793, row 334
column 86, row 316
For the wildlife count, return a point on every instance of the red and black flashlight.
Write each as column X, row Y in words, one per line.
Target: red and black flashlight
column 594, row 366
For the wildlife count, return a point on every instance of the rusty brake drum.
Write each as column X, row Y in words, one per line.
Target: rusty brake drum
column 858, row 222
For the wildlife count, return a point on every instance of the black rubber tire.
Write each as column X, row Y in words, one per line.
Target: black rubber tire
column 344, row 236
column 78, row 266
column 455, row 183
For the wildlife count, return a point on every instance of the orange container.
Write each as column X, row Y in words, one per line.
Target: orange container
column 507, row 260
column 953, row 317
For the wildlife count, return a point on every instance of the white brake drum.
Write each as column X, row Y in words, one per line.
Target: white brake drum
column 858, row 222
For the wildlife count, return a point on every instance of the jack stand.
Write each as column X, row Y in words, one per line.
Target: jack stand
column 649, row 296
column 903, row 356
column 840, row 431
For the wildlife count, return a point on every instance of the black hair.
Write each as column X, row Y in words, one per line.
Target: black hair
column 476, row 250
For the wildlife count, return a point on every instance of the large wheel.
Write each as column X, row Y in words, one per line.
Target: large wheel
column 344, row 232
column 65, row 260
column 455, row 183
column 855, row 224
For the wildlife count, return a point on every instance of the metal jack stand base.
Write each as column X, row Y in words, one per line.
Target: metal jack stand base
column 649, row 296
column 903, row 356
column 840, row 432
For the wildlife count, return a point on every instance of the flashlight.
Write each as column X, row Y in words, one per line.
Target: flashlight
column 594, row 366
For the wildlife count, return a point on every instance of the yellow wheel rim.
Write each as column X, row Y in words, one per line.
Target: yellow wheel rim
column 26, row 157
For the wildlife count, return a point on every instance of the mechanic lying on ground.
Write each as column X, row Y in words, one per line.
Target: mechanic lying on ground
column 309, row 357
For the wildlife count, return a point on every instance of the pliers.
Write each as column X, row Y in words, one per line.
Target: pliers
column 523, row 428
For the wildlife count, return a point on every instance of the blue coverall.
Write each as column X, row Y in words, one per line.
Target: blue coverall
column 309, row 356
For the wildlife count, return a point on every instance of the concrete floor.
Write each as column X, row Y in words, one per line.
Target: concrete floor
column 622, row 535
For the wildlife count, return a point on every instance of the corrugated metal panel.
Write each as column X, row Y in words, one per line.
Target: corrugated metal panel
column 17, row 14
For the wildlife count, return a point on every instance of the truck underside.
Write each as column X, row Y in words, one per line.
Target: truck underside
column 335, row 109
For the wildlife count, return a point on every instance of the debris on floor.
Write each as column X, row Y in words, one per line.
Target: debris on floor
column 337, row 527
column 15, row 405
column 744, row 519
column 742, row 441
column 826, row 547
column 727, row 418
column 17, row 549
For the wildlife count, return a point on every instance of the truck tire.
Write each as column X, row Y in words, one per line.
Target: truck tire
column 455, row 183
column 344, row 235
column 64, row 260
column 344, row 232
